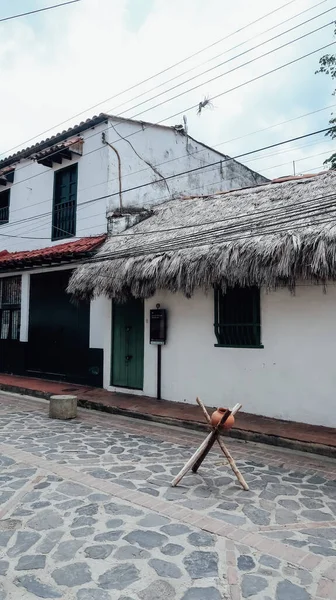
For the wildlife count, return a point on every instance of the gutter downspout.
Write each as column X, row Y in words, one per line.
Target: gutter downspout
column 119, row 170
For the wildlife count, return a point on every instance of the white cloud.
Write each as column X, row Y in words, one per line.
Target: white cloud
column 85, row 53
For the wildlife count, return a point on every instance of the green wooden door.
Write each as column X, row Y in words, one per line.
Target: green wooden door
column 128, row 344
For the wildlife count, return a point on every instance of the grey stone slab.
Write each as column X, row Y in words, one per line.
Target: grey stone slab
column 200, row 564
column 82, row 532
column 108, row 536
column 201, row 538
column 286, row 589
column 31, row 562
column 24, row 541
column 48, row 543
column 131, row 553
column 73, row 489
column 229, row 518
column 283, row 490
column 175, row 529
column 98, row 497
column 83, row 521
column 284, row 516
column 46, row 519
column 172, row 549
column 41, row 504
column 153, row 520
column 119, row 577
column 258, row 516
column 146, row 539
column 122, row 509
column 5, row 537
column 101, row 551
column 245, row 563
column 158, row 590
column 3, row 567
column 290, row 504
column 312, row 503
column 203, row 593
column 67, row 550
column 36, row 587
column 322, row 550
column 269, row 561
column 252, row 585
column 68, row 504
column 164, row 568
column 317, row 515
column 92, row 594
column 89, row 510
column 114, row 523
column 227, row 505
column 72, row 575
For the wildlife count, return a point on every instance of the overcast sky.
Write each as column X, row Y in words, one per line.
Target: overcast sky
column 61, row 62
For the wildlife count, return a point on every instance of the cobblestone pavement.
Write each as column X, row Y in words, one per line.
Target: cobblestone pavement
column 87, row 513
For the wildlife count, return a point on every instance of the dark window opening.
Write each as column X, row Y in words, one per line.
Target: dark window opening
column 65, row 203
column 237, row 317
column 4, row 207
column 10, row 308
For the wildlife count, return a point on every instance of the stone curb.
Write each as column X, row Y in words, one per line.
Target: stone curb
column 240, row 434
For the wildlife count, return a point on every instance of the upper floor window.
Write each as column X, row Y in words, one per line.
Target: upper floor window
column 10, row 308
column 65, row 203
column 4, row 207
column 237, row 317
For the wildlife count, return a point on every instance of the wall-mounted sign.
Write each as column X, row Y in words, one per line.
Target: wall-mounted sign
column 158, row 326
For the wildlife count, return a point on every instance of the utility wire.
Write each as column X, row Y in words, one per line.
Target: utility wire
column 155, row 75
column 33, row 12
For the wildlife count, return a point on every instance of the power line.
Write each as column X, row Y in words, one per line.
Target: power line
column 230, row 60
column 155, row 75
column 33, row 12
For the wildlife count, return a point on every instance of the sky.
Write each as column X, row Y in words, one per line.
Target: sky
column 63, row 62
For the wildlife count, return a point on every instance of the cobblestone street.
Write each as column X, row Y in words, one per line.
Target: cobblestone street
column 87, row 513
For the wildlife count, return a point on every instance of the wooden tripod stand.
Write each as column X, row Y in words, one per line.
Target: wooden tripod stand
column 214, row 436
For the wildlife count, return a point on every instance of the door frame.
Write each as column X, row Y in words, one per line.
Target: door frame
column 112, row 386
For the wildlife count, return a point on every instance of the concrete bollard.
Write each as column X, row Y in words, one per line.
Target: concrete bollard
column 63, row 407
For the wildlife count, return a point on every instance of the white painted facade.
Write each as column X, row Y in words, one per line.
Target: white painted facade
column 31, row 194
column 292, row 378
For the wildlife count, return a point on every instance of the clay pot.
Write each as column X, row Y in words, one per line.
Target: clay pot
column 217, row 416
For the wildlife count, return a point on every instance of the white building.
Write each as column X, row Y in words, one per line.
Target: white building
column 248, row 282
column 56, row 201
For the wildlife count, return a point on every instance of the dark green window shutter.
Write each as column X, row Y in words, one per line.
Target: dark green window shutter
column 10, row 308
column 4, row 206
column 65, row 203
column 237, row 317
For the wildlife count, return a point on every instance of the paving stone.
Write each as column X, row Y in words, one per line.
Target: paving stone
column 245, row 563
column 175, row 529
column 316, row 479
column 316, row 515
column 114, row 523
column 42, row 485
column 31, row 562
column 204, row 593
column 327, row 533
column 290, row 504
column 87, row 594
column 89, row 509
column 108, row 536
column 5, row 496
column 322, row 550
column 164, row 568
column 98, row 498
column 201, row 564
column 46, row 519
column 3, row 567
column 41, row 504
column 283, row 490
column 49, row 541
column 228, row 518
column 284, row 516
column 67, row 504
column 158, row 590
column 131, row 553
column 119, row 577
column 269, row 561
column 5, row 537
column 36, row 587
column 73, row 489
column 201, row 538
column 253, row 584
column 24, row 541
column 147, row 539
column 150, row 491
column 153, row 520
column 286, row 590
column 99, row 551
column 82, row 532
column 228, row 505
column 72, row 575
column 67, row 550
column 311, row 503
column 258, row 516
column 83, row 521
column 122, row 509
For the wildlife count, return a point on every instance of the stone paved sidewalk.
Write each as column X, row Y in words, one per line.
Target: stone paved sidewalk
column 87, row 513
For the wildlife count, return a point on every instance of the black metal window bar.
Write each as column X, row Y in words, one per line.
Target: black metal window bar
column 237, row 317
column 10, row 308
column 4, row 207
column 65, row 203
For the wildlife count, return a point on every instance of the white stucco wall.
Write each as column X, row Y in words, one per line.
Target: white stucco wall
column 292, row 378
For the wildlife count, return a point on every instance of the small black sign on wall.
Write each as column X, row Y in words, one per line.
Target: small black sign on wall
column 158, row 326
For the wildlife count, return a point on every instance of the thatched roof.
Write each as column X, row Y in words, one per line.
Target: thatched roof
column 268, row 235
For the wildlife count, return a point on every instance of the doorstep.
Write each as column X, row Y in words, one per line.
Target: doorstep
column 287, row 434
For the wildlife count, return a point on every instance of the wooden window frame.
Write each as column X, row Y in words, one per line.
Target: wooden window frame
column 237, row 333
column 10, row 308
column 4, row 211
column 56, row 232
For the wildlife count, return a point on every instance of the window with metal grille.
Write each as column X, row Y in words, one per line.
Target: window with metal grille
column 10, row 308
column 237, row 317
column 4, row 207
column 65, row 203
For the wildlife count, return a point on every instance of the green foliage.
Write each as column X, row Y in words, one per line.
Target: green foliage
column 328, row 67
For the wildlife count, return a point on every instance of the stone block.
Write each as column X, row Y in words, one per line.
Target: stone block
column 63, row 407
